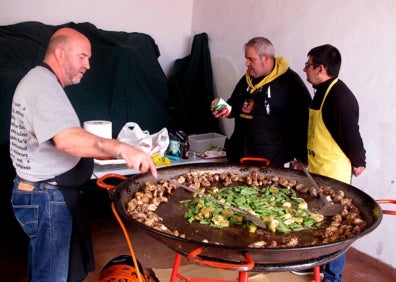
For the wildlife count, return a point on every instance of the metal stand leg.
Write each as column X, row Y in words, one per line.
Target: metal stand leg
column 175, row 269
column 242, row 276
column 316, row 270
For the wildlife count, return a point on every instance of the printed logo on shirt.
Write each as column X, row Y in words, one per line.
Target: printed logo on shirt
column 247, row 106
column 246, row 116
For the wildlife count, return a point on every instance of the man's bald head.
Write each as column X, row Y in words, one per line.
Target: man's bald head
column 68, row 55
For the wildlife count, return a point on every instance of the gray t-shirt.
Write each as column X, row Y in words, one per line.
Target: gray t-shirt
column 40, row 110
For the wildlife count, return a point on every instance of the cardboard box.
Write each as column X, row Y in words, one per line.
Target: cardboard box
column 207, row 141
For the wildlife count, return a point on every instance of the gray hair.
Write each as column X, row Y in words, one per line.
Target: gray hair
column 262, row 46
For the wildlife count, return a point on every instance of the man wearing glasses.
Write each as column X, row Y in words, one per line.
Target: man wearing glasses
column 335, row 147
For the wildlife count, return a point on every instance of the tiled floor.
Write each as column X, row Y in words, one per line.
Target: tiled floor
column 109, row 242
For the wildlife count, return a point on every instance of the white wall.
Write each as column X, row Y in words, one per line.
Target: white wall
column 168, row 22
column 363, row 31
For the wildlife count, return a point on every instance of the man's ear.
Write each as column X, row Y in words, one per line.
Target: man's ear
column 59, row 53
column 322, row 69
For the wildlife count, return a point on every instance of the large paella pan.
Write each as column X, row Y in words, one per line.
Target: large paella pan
column 233, row 243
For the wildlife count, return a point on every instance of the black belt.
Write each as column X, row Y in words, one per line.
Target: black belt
column 48, row 184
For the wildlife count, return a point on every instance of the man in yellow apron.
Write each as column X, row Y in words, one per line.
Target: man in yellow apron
column 335, row 146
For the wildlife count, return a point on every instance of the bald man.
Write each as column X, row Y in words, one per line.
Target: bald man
column 53, row 157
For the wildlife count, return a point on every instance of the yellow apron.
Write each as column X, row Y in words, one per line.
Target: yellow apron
column 325, row 157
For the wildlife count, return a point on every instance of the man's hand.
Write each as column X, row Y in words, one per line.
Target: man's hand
column 137, row 159
column 222, row 113
column 356, row 171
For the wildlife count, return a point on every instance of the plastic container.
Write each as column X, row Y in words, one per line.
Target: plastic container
column 200, row 143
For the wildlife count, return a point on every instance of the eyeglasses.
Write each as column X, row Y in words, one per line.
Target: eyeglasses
column 310, row 64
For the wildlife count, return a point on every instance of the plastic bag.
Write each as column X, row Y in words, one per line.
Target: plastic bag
column 156, row 143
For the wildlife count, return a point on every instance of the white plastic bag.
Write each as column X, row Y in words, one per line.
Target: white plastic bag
column 156, row 143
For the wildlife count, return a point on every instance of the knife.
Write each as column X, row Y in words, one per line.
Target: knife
column 246, row 214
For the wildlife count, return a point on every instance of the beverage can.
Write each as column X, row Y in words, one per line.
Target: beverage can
column 185, row 150
column 218, row 104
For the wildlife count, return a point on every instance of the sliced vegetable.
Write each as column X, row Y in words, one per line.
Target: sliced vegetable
column 280, row 208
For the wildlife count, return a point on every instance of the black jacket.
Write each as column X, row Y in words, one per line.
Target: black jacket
column 276, row 126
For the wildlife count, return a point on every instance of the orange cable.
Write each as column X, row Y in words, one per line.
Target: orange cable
column 129, row 242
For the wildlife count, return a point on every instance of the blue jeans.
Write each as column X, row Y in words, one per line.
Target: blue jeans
column 333, row 270
column 45, row 218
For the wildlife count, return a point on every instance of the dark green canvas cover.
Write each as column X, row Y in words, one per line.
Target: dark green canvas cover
column 191, row 89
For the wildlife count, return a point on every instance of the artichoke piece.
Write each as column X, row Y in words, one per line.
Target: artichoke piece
column 227, row 213
column 220, row 221
column 273, row 225
column 317, row 217
column 252, row 228
column 207, row 211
